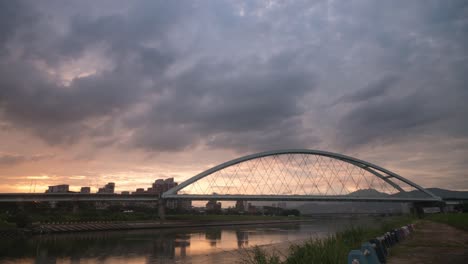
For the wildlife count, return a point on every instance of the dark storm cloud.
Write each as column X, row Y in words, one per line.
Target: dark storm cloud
column 30, row 98
column 55, row 113
column 425, row 47
column 218, row 100
column 386, row 119
column 14, row 14
column 13, row 159
column 145, row 21
column 237, row 75
column 373, row 90
column 424, row 111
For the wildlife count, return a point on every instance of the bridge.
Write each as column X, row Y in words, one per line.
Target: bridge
column 300, row 175
column 74, row 197
column 280, row 175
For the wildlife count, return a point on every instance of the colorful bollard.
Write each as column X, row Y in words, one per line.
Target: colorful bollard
column 376, row 250
column 370, row 253
column 379, row 249
column 356, row 257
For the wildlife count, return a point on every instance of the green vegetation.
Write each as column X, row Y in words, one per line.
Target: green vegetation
column 332, row 249
column 95, row 215
column 4, row 225
column 26, row 214
column 458, row 220
column 258, row 256
column 11, row 215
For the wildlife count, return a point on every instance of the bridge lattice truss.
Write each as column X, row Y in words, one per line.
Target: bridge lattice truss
column 299, row 175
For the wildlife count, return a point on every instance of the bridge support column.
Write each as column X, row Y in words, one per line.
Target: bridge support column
column 162, row 210
column 417, row 209
column 443, row 207
column 20, row 206
column 75, row 208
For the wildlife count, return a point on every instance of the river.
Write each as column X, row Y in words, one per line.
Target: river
column 195, row 246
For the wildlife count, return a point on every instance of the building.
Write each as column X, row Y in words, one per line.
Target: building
column 139, row 191
column 212, row 205
column 160, row 186
column 181, row 205
column 62, row 188
column 241, row 206
column 108, row 188
column 85, row 190
column 125, row 193
column 281, row 205
column 251, row 209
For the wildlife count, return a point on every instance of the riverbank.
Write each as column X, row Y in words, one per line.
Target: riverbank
column 331, row 249
column 108, row 226
column 441, row 238
column 432, row 242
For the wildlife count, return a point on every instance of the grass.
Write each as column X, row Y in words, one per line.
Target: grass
column 6, row 225
column 329, row 250
column 458, row 220
column 259, row 256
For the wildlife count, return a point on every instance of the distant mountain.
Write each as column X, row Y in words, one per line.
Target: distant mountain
column 369, row 207
column 349, row 207
column 442, row 193
column 447, row 194
column 367, row 193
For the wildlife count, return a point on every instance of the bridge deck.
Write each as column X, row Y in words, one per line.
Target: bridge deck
column 50, row 197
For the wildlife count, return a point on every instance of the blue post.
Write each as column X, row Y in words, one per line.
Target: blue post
column 370, row 253
column 356, row 257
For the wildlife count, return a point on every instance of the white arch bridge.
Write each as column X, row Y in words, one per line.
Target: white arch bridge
column 300, row 175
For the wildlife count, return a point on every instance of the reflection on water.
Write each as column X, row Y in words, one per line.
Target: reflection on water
column 206, row 245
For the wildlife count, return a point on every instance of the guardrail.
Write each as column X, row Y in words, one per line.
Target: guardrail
column 376, row 250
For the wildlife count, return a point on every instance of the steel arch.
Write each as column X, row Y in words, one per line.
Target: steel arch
column 371, row 168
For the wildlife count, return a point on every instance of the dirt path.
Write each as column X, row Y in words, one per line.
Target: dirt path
column 432, row 243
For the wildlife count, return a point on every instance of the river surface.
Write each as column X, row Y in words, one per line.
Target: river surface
column 196, row 245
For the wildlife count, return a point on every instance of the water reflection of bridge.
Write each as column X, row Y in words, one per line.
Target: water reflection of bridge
column 156, row 246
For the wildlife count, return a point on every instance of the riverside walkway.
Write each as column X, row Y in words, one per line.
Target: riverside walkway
column 432, row 243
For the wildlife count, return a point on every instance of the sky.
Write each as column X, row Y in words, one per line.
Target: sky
column 132, row 91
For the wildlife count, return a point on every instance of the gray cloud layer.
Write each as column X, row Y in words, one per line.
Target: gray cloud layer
column 13, row 159
column 245, row 76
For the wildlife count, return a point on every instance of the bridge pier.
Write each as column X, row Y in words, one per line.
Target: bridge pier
column 162, row 210
column 418, row 207
column 20, row 206
column 75, row 208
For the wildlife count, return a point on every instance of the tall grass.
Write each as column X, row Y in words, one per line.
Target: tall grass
column 259, row 256
column 458, row 220
column 330, row 250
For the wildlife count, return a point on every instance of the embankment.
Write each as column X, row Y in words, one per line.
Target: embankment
column 105, row 226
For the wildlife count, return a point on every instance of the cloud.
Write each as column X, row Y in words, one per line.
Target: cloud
column 216, row 100
column 392, row 118
column 60, row 113
column 15, row 14
column 14, row 159
column 373, row 90
column 169, row 76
